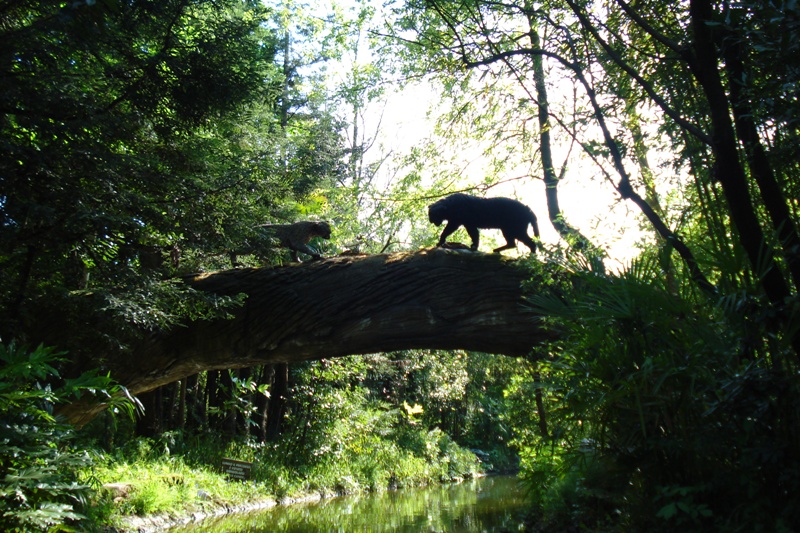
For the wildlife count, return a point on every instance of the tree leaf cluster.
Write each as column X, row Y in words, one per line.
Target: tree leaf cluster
column 141, row 141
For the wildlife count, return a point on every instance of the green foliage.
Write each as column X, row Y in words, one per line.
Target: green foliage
column 141, row 142
column 337, row 430
column 659, row 409
column 658, row 415
column 350, row 425
column 40, row 486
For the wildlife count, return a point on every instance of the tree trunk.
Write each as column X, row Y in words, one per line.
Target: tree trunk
column 758, row 162
column 651, row 195
column 195, row 406
column 231, row 399
column 149, row 424
column 213, row 401
column 180, row 416
column 279, row 393
column 731, row 173
column 729, row 170
column 435, row 299
column 262, row 401
column 568, row 232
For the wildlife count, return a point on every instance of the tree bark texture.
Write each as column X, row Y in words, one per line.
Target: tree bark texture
column 434, row 299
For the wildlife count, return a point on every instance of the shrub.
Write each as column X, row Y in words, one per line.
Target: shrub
column 692, row 428
column 39, row 469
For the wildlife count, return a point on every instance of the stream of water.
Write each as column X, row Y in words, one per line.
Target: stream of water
column 485, row 505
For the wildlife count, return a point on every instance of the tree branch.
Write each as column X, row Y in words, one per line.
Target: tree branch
column 634, row 74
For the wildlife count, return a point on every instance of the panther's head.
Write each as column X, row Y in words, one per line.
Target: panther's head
column 322, row 229
column 437, row 212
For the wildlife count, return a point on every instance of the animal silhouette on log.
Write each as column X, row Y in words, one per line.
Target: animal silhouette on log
column 435, row 299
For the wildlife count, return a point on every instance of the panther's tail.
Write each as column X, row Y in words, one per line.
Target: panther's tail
column 534, row 223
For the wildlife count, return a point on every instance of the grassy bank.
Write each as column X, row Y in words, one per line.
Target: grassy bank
column 180, row 476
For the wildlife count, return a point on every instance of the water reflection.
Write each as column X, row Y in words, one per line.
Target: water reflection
column 493, row 504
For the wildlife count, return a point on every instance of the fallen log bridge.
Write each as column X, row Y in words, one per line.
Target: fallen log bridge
column 433, row 298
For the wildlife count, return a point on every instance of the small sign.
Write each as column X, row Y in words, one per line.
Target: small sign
column 236, row 469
